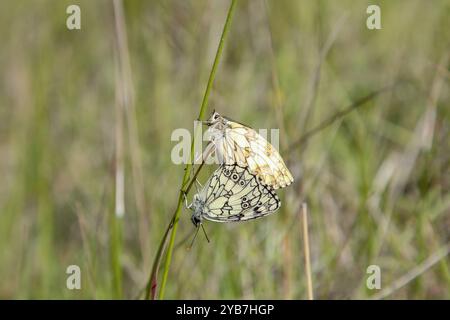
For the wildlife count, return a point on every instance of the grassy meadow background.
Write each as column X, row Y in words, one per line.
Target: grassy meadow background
column 376, row 181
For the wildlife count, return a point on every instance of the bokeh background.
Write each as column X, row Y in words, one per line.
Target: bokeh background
column 74, row 119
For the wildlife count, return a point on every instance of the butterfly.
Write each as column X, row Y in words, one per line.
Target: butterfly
column 234, row 142
column 232, row 193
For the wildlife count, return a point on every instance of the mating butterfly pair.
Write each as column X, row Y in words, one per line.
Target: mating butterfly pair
column 242, row 188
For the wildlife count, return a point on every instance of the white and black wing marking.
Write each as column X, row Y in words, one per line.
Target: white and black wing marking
column 234, row 194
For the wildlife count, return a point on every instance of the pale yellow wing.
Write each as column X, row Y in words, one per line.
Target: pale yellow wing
column 244, row 146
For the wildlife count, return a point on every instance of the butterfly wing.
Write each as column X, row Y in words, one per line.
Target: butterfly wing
column 244, row 146
column 234, row 194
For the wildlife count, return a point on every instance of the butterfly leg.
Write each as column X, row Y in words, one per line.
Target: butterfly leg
column 188, row 206
column 199, row 184
column 204, row 231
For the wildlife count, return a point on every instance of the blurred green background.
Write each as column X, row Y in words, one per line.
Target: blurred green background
column 376, row 181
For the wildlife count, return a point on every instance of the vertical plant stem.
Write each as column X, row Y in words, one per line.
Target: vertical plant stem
column 115, row 253
column 118, row 202
column 304, row 216
column 150, row 290
column 188, row 166
column 126, row 98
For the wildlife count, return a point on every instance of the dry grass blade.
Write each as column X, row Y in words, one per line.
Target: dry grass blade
column 126, row 99
column 338, row 115
column 398, row 167
column 304, row 222
column 414, row 273
column 315, row 80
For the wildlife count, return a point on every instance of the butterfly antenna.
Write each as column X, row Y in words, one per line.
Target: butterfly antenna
column 193, row 239
column 204, row 231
